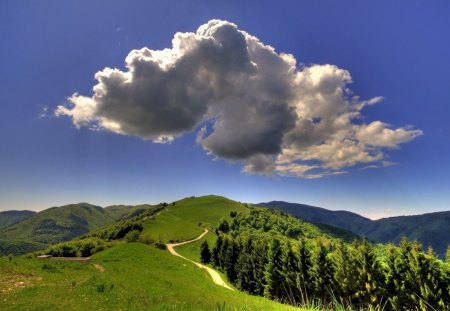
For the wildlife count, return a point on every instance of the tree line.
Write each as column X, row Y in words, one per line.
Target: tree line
column 304, row 270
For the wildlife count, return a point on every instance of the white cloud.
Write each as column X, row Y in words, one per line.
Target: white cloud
column 260, row 107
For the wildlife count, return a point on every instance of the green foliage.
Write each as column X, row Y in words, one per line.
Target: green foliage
column 10, row 218
column 205, row 253
column 303, row 279
column 78, row 248
column 447, row 255
column 345, row 269
column 428, row 229
column 132, row 236
column 49, row 268
column 321, row 271
column 61, row 224
column 223, row 226
column 369, row 283
column 273, row 272
column 259, row 256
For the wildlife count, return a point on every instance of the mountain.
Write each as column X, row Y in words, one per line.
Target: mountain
column 58, row 224
column 429, row 229
column 254, row 251
column 9, row 218
column 340, row 219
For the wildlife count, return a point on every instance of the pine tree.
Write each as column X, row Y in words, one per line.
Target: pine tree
column 244, row 268
column 400, row 283
column 223, row 253
column 224, row 226
column 231, row 254
column 272, row 274
column 216, row 251
column 321, row 272
column 430, row 278
column 205, row 253
column 304, row 285
column 259, row 262
column 344, row 266
column 446, row 295
column 447, row 255
column 289, row 272
column 370, row 279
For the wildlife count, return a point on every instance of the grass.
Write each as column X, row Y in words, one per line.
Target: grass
column 185, row 220
column 136, row 277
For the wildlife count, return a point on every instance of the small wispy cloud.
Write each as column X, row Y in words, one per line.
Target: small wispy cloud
column 44, row 112
column 262, row 108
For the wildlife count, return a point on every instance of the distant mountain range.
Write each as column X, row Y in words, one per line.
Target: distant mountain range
column 431, row 229
column 26, row 231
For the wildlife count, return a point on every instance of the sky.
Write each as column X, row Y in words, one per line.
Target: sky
column 338, row 104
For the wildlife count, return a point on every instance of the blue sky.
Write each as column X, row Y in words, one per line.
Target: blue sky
column 50, row 50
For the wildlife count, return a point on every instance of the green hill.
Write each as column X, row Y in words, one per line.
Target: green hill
column 9, row 218
column 429, row 229
column 184, row 219
column 135, row 277
column 259, row 251
column 59, row 224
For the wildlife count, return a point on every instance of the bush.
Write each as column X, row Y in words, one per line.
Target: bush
column 48, row 268
column 160, row 245
column 145, row 239
column 132, row 236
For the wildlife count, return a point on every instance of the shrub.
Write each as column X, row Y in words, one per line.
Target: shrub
column 132, row 236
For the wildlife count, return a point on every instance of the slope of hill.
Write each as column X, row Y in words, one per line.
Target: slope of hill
column 260, row 251
column 342, row 219
column 9, row 218
column 184, row 219
column 58, row 224
column 429, row 229
column 128, row 276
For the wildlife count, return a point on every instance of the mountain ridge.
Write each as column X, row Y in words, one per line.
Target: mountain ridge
column 430, row 229
column 61, row 223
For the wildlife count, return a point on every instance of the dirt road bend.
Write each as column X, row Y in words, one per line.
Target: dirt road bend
column 213, row 273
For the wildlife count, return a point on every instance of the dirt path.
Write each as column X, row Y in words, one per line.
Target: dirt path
column 213, row 273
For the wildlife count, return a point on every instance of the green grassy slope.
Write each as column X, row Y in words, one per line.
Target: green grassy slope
column 58, row 224
column 185, row 219
column 136, row 277
column 9, row 218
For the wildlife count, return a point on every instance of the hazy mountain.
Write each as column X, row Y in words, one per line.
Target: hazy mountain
column 429, row 229
column 9, row 218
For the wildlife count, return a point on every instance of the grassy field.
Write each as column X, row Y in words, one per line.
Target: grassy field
column 192, row 250
column 185, row 220
column 135, row 277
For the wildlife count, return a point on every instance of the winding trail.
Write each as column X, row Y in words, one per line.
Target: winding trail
column 213, row 273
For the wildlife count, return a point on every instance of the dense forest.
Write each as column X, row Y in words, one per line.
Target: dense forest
column 266, row 253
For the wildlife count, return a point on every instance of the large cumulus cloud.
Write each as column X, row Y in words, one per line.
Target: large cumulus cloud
column 248, row 102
